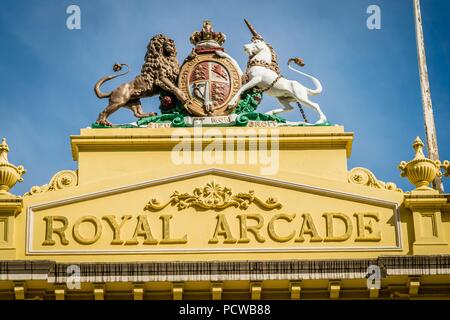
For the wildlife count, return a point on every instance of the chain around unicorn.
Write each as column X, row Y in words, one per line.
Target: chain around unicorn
column 263, row 74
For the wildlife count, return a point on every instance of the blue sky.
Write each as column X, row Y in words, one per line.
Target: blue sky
column 370, row 77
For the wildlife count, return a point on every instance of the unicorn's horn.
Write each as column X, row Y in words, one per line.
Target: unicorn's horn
column 252, row 30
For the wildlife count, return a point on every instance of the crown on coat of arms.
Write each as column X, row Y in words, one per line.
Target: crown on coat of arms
column 207, row 36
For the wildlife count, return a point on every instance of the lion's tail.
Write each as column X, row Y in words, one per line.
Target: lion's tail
column 311, row 92
column 117, row 67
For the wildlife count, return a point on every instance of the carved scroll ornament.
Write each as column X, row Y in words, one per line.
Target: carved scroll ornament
column 213, row 196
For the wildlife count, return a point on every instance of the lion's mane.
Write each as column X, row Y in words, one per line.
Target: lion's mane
column 158, row 63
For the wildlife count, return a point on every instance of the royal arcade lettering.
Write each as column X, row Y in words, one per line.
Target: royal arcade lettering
column 252, row 227
column 217, row 215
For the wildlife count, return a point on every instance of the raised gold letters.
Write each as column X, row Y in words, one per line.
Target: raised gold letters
column 308, row 227
column 76, row 230
column 362, row 227
column 116, row 227
column 142, row 230
column 271, row 228
column 253, row 229
column 222, row 229
column 166, row 232
column 330, row 230
column 50, row 230
column 281, row 228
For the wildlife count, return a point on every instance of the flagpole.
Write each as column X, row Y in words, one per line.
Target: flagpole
column 430, row 129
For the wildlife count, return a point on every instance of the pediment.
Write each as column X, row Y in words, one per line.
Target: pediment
column 213, row 211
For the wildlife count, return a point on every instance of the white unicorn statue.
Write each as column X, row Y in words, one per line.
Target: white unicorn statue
column 263, row 73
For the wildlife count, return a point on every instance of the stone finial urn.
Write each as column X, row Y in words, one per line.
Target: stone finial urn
column 9, row 173
column 420, row 171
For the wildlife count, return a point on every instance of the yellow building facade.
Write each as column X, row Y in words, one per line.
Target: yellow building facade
column 223, row 213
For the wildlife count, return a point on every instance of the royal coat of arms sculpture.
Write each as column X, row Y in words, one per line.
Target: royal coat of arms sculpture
column 209, row 88
column 209, row 76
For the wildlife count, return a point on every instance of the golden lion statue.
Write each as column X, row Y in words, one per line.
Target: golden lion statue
column 159, row 72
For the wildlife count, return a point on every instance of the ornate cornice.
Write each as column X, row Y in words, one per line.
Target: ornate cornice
column 139, row 139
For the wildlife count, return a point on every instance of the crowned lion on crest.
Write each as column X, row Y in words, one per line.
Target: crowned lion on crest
column 159, row 73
